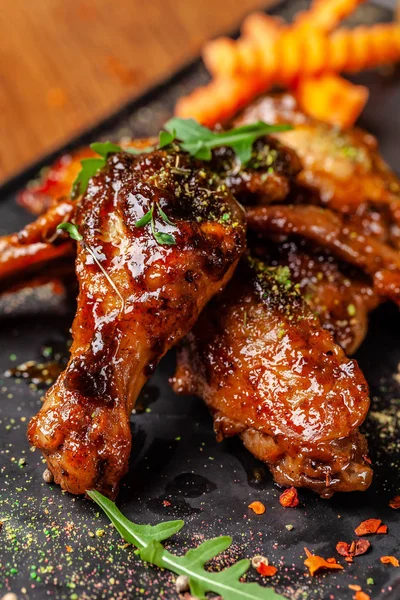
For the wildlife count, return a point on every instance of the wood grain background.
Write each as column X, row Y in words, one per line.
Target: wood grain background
column 66, row 63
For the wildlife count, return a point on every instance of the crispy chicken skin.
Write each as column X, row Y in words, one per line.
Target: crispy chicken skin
column 343, row 167
column 271, row 374
column 126, row 320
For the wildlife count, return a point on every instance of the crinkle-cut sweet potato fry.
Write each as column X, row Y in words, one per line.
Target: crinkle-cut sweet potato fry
column 325, row 15
column 331, row 99
column 344, row 50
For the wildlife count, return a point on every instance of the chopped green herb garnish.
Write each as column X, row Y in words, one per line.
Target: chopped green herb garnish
column 105, row 148
column 351, row 310
column 199, row 141
column 91, row 166
column 74, row 234
column 165, row 239
column 282, row 276
column 72, row 230
column 144, row 220
column 147, row 539
column 370, row 581
column 166, row 138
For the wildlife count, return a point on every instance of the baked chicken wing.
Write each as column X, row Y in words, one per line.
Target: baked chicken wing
column 160, row 237
column 342, row 167
column 271, row 374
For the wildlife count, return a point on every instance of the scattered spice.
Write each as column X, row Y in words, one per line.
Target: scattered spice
column 382, row 529
column 262, row 566
column 367, row 527
column 390, row 560
column 395, row 502
column 48, row 476
column 289, row 498
column 257, row 507
column 360, row 595
column 354, row 549
column 257, row 560
column 267, row 570
column 182, row 584
column 316, row 563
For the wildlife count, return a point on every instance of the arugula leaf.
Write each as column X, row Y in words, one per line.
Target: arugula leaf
column 166, row 138
column 199, row 141
column 90, row 166
column 138, row 535
column 147, row 538
column 72, row 230
column 105, row 148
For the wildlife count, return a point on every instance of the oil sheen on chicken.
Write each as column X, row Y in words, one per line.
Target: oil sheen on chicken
column 146, row 296
column 271, row 374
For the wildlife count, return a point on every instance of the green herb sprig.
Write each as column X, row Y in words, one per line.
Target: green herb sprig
column 166, row 239
column 147, row 539
column 192, row 137
column 198, row 141
column 91, row 166
column 74, row 234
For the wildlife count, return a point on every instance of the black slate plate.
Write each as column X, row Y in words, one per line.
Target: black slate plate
column 49, row 547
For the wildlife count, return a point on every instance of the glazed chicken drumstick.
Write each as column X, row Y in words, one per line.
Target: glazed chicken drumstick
column 159, row 240
column 271, row 374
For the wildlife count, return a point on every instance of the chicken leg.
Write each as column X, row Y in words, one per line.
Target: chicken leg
column 142, row 285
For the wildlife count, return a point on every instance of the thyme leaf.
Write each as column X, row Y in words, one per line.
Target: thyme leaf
column 72, row 230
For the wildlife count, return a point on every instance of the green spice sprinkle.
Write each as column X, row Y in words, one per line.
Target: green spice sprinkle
column 351, row 310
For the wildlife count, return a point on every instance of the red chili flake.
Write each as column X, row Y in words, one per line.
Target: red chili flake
column 354, row 549
column 316, row 563
column 390, row 560
column 382, row 529
column 395, row 502
column 166, row 503
column 257, row 507
column 369, row 526
column 266, row 570
column 289, row 498
column 361, row 596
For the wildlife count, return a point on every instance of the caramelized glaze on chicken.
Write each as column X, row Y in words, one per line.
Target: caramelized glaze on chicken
column 142, row 300
column 342, row 297
column 331, row 231
column 343, row 168
column 270, row 373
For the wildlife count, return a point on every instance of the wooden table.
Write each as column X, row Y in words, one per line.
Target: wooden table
column 66, row 63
